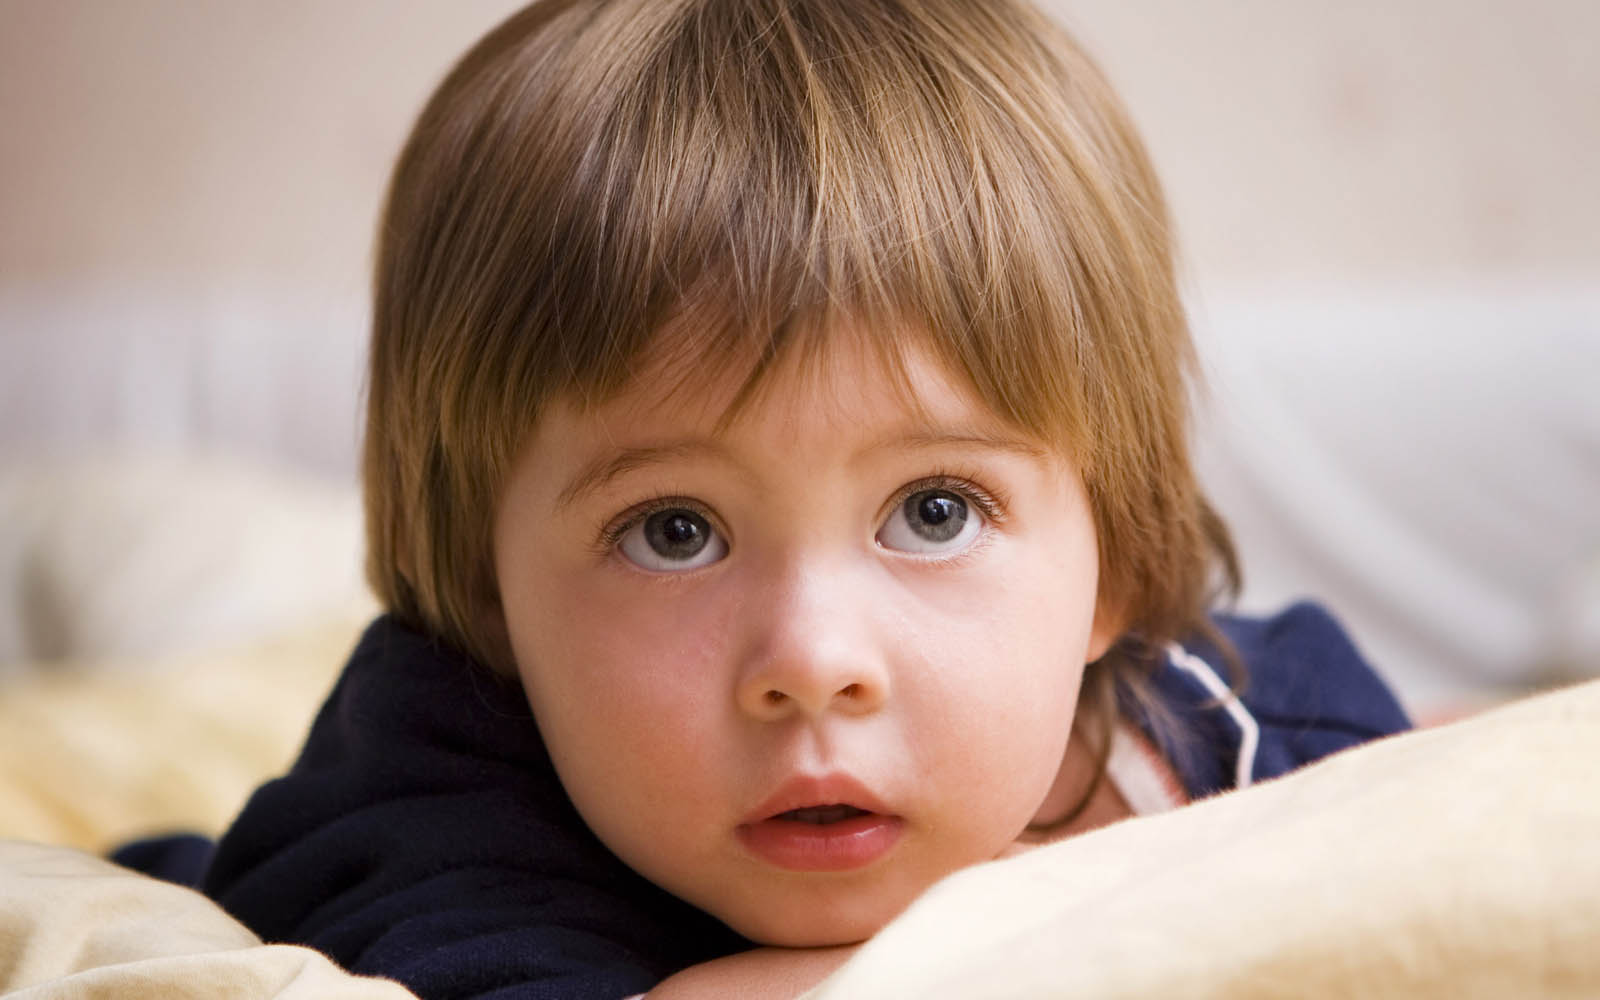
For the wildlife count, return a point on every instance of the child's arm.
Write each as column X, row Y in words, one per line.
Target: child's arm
column 778, row 973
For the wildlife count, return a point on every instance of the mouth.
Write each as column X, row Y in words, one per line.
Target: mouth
column 821, row 815
column 821, row 825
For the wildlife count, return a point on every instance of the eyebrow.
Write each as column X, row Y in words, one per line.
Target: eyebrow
column 597, row 473
column 967, row 439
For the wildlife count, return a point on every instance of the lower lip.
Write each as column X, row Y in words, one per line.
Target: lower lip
column 822, row 847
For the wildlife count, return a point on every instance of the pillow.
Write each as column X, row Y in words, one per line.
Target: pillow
column 126, row 558
column 79, row 928
column 97, row 752
column 1458, row 861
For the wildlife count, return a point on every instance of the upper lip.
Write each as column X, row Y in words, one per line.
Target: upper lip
column 804, row 791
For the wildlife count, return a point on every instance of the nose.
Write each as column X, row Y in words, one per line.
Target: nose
column 813, row 650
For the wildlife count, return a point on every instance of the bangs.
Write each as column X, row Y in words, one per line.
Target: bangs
column 770, row 172
column 604, row 194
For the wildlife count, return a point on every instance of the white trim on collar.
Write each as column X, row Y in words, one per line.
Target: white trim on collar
column 1139, row 779
column 1249, row 729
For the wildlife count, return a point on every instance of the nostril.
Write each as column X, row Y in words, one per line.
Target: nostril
column 775, row 697
column 851, row 691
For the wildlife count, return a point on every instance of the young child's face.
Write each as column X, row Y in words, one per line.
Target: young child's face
column 796, row 671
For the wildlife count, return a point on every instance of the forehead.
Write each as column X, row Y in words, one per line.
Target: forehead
column 833, row 408
column 822, row 375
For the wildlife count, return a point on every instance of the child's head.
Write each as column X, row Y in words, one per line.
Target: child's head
column 786, row 389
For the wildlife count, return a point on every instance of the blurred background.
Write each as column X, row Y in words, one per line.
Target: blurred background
column 1389, row 216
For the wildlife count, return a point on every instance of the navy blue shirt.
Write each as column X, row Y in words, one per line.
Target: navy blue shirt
column 423, row 834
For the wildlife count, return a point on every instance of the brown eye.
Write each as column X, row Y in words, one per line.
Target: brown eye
column 676, row 534
column 671, row 540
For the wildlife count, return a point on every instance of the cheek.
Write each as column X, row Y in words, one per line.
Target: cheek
column 621, row 684
column 587, row 639
column 1023, row 622
column 999, row 679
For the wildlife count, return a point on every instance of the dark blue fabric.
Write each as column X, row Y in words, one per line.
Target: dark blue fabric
column 423, row 834
column 1307, row 687
column 182, row 858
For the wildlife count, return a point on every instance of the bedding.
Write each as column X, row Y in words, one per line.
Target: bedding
column 74, row 927
column 1453, row 862
column 99, row 751
column 128, row 560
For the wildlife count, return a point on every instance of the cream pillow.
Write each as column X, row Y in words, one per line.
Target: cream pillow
column 74, row 927
column 1457, row 862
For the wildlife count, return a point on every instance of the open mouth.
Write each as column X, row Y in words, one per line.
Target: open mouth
column 827, row 838
column 821, row 815
column 826, row 823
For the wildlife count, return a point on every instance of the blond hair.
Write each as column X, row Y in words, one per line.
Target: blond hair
column 590, row 170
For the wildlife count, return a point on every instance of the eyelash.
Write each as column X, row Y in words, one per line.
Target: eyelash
column 611, row 534
column 991, row 503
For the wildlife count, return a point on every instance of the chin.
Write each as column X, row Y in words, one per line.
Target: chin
column 816, row 923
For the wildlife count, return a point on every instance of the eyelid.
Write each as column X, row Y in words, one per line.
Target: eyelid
column 611, row 534
column 990, row 503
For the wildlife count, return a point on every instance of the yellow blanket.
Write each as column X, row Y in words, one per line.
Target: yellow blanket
column 98, row 753
column 73, row 927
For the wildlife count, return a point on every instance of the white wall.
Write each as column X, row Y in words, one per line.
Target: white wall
column 192, row 141
column 1443, row 141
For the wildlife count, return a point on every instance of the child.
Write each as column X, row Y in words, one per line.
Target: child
column 777, row 482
